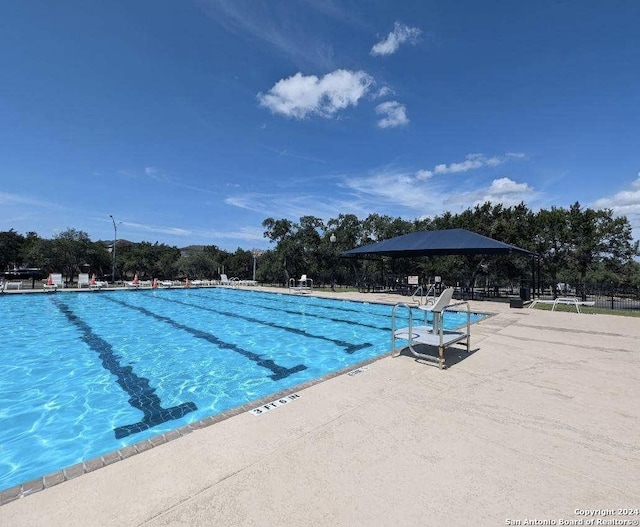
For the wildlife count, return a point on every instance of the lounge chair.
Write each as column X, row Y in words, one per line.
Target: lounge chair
column 83, row 280
column 11, row 285
column 136, row 283
column 54, row 282
column 434, row 334
column 570, row 301
column 200, row 283
column 228, row 281
column 304, row 284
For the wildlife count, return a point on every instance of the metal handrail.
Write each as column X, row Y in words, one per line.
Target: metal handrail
column 413, row 296
column 393, row 323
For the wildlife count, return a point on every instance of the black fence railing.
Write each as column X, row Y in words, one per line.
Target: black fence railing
column 605, row 296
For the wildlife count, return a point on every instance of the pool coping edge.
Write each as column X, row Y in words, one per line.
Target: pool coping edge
column 28, row 488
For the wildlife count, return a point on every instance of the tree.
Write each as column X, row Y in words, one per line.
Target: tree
column 552, row 242
column 596, row 236
column 69, row 251
column 10, row 249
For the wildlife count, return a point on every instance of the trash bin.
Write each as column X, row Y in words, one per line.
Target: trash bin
column 525, row 294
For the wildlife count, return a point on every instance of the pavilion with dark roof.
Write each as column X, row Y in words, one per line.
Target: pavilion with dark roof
column 439, row 243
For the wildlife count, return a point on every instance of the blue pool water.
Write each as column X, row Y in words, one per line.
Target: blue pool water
column 86, row 374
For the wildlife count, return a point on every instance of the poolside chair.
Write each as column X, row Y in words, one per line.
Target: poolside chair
column 228, row 281
column 432, row 334
column 135, row 283
column 569, row 301
column 54, row 282
column 437, row 308
column 83, row 280
column 97, row 284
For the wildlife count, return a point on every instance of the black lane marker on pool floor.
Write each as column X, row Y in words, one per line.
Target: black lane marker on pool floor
column 310, row 300
column 141, row 395
column 279, row 372
column 348, row 348
column 301, row 313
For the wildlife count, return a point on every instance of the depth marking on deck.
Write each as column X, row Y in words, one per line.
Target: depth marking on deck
column 274, row 404
column 356, row 371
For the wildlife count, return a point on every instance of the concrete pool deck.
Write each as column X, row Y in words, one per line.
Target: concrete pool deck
column 541, row 422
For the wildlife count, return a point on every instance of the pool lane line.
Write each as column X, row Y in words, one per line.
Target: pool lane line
column 141, row 395
column 348, row 347
column 311, row 299
column 302, row 313
column 278, row 372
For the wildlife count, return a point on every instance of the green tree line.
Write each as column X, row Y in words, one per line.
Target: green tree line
column 575, row 245
column 72, row 252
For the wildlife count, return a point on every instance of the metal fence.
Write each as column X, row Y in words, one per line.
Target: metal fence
column 604, row 295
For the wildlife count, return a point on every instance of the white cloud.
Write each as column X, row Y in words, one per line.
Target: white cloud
column 385, row 91
column 397, row 189
column 504, row 186
column 625, row 202
column 293, row 205
column 400, row 34
column 300, row 96
column 16, row 199
column 421, row 175
column 503, row 190
column 395, row 114
column 420, row 194
column 472, row 162
column 277, row 24
column 175, row 231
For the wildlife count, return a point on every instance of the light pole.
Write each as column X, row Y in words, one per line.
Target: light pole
column 256, row 254
column 333, row 240
column 115, row 240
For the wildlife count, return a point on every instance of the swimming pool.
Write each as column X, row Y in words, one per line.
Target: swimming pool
column 87, row 374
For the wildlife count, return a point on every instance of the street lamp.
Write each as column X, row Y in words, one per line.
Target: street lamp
column 256, row 254
column 115, row 240
column 333, row 240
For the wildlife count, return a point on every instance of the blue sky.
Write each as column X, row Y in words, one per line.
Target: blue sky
column 192, row 121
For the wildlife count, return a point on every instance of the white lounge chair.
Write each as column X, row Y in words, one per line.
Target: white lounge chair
column 224, row 280
column 200, row 283
column 11, row 285
column 54, row 282
column 431, row 335
column 570, row 301
column 83, row 280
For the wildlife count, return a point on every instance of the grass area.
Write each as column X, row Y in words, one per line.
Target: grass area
column 590, row 310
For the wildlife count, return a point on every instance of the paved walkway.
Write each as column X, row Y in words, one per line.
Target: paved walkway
column 541, row 422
